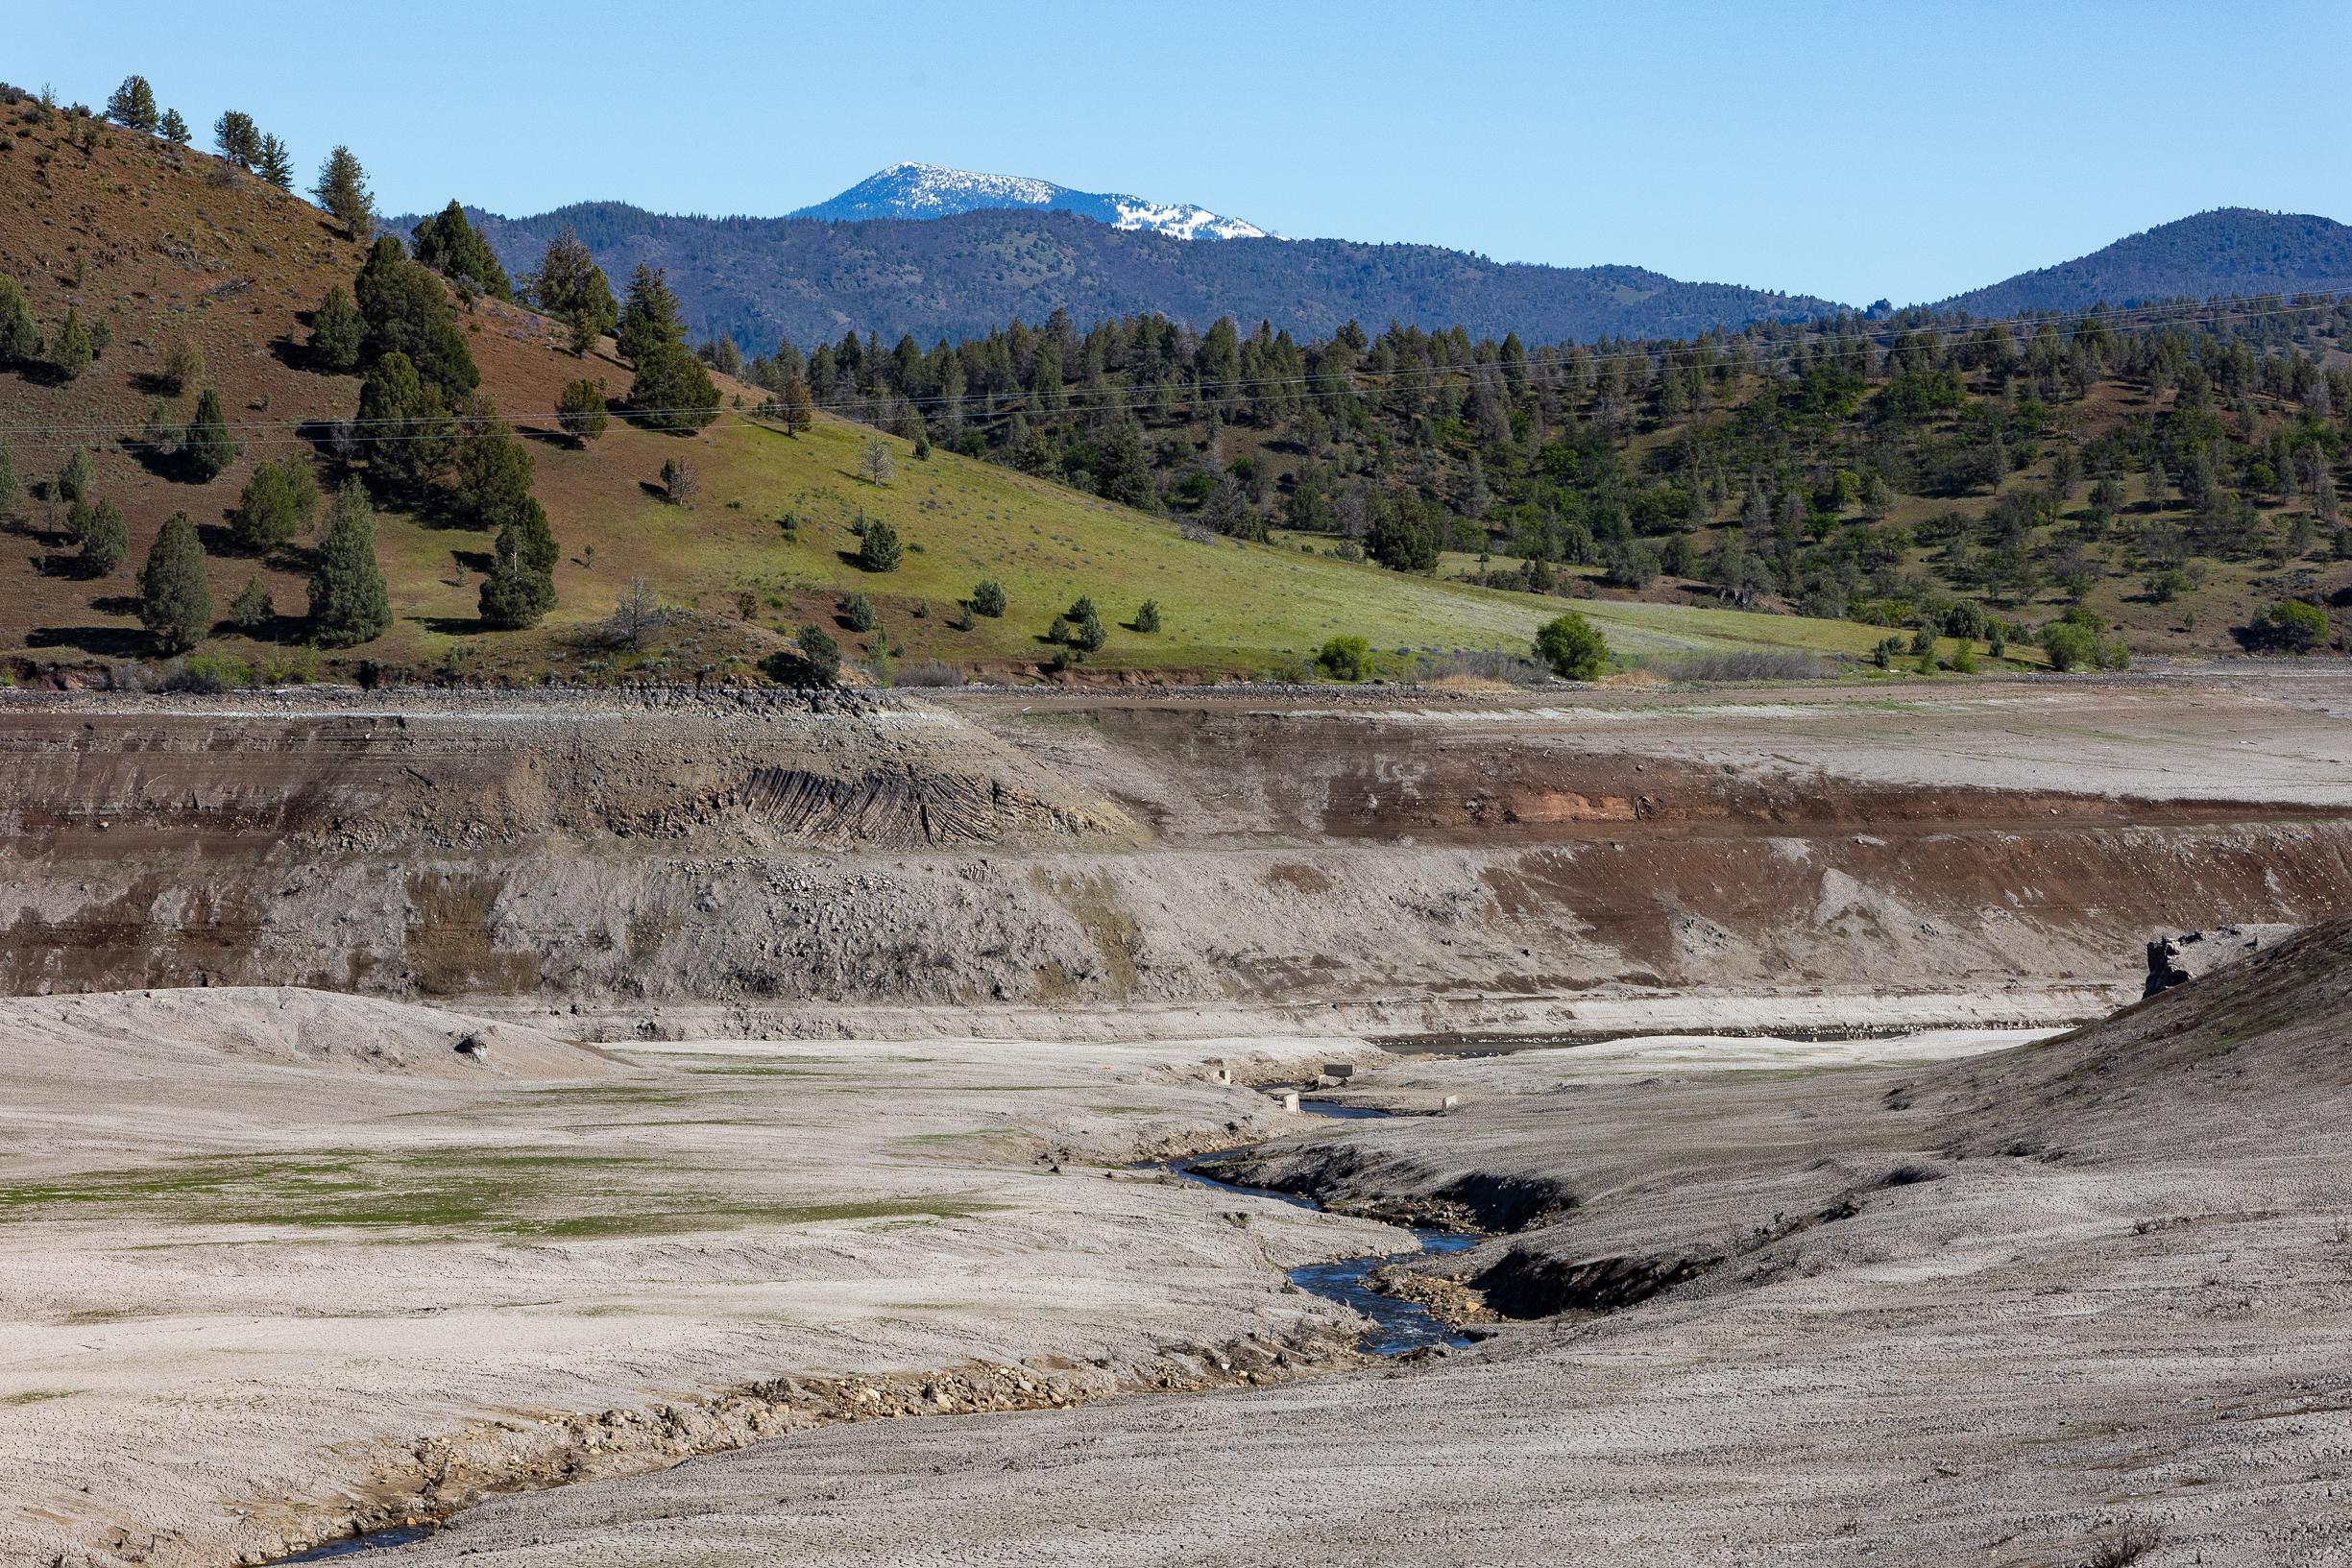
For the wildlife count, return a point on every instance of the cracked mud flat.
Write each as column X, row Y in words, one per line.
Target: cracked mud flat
column 728, row 1169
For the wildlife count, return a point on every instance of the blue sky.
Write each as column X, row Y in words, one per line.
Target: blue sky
column 1906, row 150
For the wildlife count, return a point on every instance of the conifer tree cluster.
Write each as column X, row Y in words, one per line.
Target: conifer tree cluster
column 447, row 243
column 671, row 390
column 569, row 286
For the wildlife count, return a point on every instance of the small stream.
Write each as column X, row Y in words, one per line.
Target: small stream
column 350, row 1545
column 1399, row 1327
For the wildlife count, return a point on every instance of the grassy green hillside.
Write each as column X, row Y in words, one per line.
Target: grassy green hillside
column 1225, row 607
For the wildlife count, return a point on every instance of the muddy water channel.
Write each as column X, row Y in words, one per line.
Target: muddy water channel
column 1399, row 1327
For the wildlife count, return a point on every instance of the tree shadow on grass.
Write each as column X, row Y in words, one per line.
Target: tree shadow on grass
column 453, row 625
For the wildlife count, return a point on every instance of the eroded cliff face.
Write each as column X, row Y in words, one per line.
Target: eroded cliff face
column 761, row 853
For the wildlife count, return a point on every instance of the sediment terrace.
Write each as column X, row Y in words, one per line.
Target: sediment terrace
column 763, row 864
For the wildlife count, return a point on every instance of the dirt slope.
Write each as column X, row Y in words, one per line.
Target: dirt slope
column 755, row 864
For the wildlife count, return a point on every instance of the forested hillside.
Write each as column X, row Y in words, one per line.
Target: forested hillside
column 759, row 280
column 2231, row 251
column 2173, row 472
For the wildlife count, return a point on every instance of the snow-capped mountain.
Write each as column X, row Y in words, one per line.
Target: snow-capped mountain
column 925, row 190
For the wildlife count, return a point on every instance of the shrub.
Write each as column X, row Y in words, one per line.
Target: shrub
column 930, row 672
column 878, row 546
column 184, row 365
column 1146, row 619
column 961, row 620
column 819, row 653
column 2291, row 626
column 1572, row 646
column 636, row 616
column 858, row 611
column 1755, row 666
column 988, row 598
column 1888, row 650
column 680, row 483
column 580, row 409
column 2070, row 647
column 252, row 608
column 1346, row 659
column 208, row 672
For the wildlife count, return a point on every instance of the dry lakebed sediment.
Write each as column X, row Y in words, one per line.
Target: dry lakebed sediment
column 716, row 1128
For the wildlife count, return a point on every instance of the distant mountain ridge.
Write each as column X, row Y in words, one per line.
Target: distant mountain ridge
column 762, row 278
column 2227, row 250
column 960, row 254
column 926, row 190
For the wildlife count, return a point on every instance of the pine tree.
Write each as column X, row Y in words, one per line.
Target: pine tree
column 175, row 602
column 349, row 602
column 491, row 471
column 521, row 586
column 342, row 191
column 650, row 324
column 405, row 425
column 571, row 287
column 338, row 331
column 277, row 507
column 236, row 136
column 878, row 546
column 105, row 540
column 207, row 449
column 799, row 411
column 73, row 352
column 133, row 104
column 671, row 390
column 273, row 163
column 579, row 408
column 408, row 312
column 19, row 338
column 175, row 128
column 452, row 247
column 73, row 481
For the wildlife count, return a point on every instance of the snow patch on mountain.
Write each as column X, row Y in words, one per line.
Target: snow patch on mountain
column 926, row 190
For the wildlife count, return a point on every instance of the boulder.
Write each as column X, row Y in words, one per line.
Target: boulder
column 2176, row 960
